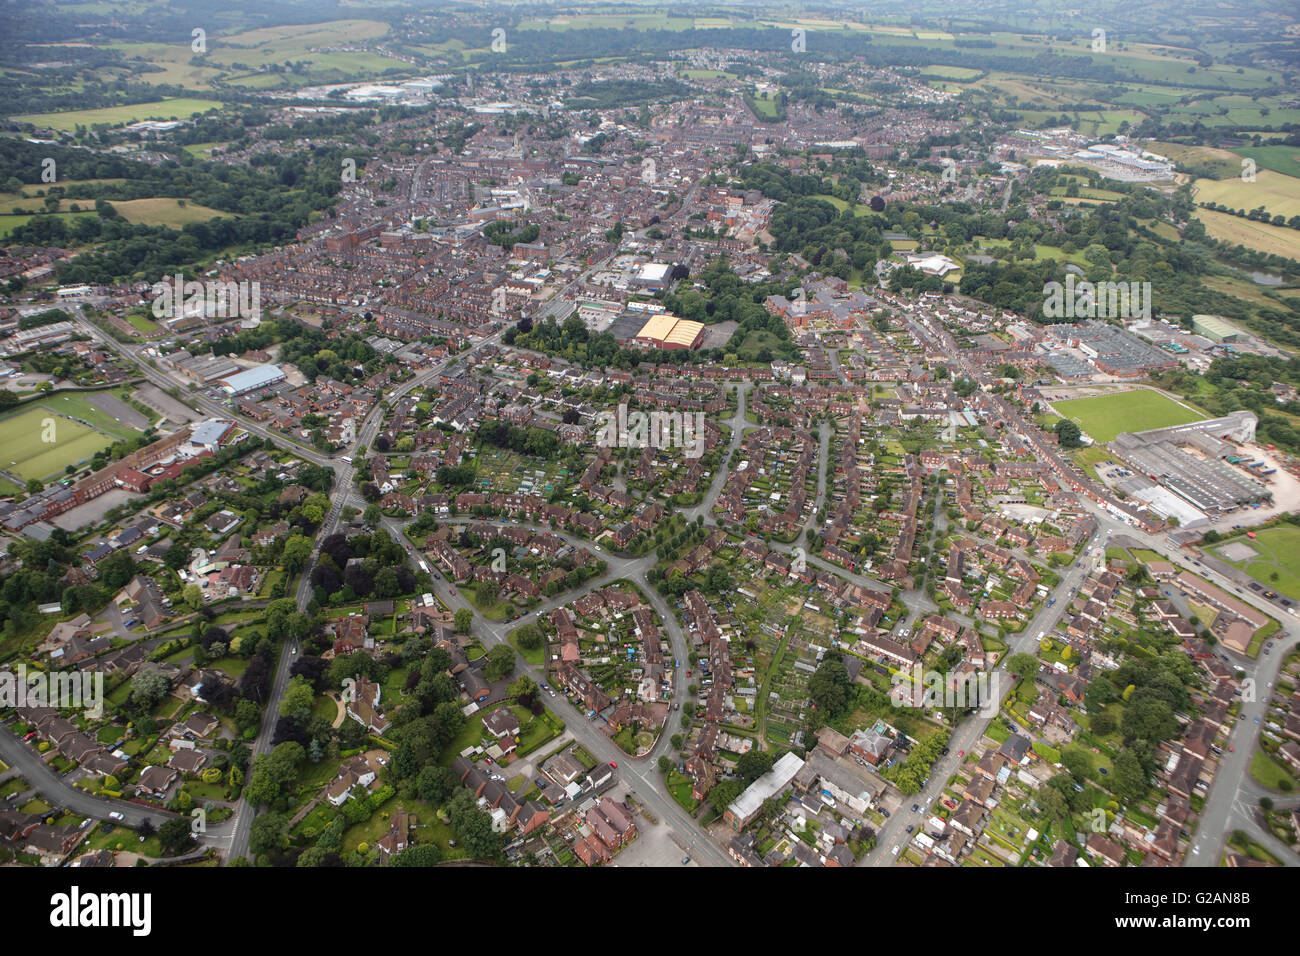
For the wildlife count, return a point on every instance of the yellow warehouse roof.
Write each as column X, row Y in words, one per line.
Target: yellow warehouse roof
column 684, row 332
column 658, row 327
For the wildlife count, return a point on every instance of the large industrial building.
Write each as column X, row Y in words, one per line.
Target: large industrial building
column 1184, row 472
column 669, row 332
column 251, row 379
column 1216, row 329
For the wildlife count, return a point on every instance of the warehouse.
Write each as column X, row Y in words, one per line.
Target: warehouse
column 670, row 332
column 1216, row 329
column 1187, row 461
column 653, row 276
column 251, row 379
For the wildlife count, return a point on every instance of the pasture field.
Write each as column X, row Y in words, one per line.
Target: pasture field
column 164, row 211
column 1103, row 417
column 1236, row 110
column 950, row 72
column 180, row 107
column 9, row 223
column 1276, row 564
column 257, row 49
column 1226, row 164
column 28, row 456
column 1281, row 159
column 1278, row 240
column 1276, row 192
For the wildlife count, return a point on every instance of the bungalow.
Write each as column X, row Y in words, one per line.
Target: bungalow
column 501, row 723
column 156, row 781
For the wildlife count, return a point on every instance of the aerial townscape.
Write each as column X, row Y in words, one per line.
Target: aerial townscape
column 573, row 435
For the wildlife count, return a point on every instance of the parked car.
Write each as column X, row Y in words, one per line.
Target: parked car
column 116, row 815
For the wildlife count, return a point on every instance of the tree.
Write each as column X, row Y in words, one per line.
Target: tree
column 423, row 855
column 148, row 688
column 473, row 826
column 829, row 686
column 1022, row 665
column 192, row 596
column 436, row 784
column 1102, row 724
column 463, row 620
column 298, row 698
column 267, row 833
column 296, row 554
column 500, row 662
column 1128, row 779
column 1068, row 434
column 754, row 764
column 175, row 837
column 529, row 637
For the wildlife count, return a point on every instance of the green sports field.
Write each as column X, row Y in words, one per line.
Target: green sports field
column 24, row 453
column 1277, row 562
column 1105, row 416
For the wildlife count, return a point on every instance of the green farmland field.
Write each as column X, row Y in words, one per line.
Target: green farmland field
column 180, row 108
column 1105, row 416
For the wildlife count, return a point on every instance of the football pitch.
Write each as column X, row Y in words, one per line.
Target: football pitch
column 26, row 453
column 1105, row 416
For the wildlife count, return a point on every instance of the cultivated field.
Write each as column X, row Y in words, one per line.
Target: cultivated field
column 1278, row 240
column 1103, row 417
column 1274, row 191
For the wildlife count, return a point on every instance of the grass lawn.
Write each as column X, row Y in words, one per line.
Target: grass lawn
column 535, row 657
column 1103, row 417
column 469, row 736
column 1092, row 455
column 1277, row 564
column 1269, row 773
column 536, row 731
column 25, row 436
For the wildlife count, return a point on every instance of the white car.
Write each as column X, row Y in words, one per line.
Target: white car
column 115, row 815
column 894, row 851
